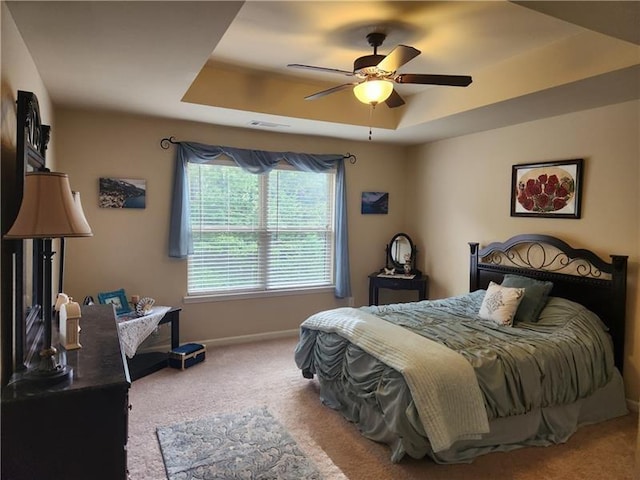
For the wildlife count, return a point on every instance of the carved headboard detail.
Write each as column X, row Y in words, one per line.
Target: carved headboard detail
column 538, row 256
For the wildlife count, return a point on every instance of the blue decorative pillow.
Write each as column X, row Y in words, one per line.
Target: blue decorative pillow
column 536, row 293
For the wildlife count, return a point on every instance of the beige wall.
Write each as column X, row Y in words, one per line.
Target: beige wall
column 19, row 73
column 460, row 192
column 129, row 247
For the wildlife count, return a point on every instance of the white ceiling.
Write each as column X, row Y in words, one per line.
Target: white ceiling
column 225, row 62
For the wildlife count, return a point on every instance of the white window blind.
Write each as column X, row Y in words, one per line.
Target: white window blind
column 260, row 232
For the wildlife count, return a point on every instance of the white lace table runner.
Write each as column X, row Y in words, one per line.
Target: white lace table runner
column 134, row 330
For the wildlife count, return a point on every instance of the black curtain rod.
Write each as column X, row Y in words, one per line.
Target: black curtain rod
column 165, row 143
column 351, row 157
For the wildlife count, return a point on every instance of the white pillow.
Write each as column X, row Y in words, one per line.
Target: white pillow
column 500, row 304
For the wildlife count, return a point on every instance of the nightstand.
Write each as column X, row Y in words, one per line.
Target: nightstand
column 397, row 282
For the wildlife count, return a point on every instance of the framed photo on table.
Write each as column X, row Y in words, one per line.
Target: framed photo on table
column 117, row 298
column 547, row 189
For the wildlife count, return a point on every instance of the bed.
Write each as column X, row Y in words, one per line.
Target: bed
column 530, row 354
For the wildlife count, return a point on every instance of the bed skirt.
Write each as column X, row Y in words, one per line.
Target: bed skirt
column 540, row 427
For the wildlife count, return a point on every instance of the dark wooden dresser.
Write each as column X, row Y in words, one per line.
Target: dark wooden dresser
column 77, row 429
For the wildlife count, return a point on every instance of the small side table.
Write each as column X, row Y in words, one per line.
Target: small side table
column 419, row 283
column 143, row 364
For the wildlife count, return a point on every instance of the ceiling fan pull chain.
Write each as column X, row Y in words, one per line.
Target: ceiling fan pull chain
column 370, row 119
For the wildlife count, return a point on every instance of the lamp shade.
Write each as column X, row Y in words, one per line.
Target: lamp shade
column 80, row 213
column 48, row 209
column 373, row 91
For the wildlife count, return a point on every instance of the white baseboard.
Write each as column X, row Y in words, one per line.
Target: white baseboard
column 632, row 405
column 218, row 342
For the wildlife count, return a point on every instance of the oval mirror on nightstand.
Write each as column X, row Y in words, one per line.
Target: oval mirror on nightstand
column 401, row 254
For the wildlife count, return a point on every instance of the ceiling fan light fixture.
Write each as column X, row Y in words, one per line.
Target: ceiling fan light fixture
column 373, row 92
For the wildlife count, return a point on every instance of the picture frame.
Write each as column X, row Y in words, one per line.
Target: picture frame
column 375, row 202
column 122, row 193
column 547, row 189
column 117, row 298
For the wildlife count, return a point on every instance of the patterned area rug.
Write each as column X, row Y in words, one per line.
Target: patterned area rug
column 247, row 445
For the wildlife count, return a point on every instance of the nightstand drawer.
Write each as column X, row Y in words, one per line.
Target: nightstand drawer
column 394, row 283
column 419, row 283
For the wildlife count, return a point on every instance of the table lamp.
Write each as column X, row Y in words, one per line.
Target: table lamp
column 48, row 211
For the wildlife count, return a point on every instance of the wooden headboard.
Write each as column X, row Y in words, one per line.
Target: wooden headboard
column 577, row 274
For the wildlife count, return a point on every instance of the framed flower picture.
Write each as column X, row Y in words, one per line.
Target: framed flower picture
column 547, row 189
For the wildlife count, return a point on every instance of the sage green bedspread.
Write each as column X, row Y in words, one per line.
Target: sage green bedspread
column 526, row 372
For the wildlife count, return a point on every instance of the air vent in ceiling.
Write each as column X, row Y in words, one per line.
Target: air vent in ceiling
column 260, row 123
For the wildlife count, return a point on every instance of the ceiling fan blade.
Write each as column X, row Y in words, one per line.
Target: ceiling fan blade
column 450, row 80
column 394, row 100
column 321, row 69
column 398, row 57
column 329, row 91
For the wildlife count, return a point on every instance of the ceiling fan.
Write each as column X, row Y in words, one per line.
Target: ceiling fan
column 375, row 75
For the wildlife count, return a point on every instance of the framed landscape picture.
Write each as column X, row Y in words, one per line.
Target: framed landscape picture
column 375, row 202
column 122, row 193
column 547, row 189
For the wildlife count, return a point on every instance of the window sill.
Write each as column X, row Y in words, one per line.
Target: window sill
column 225, row 297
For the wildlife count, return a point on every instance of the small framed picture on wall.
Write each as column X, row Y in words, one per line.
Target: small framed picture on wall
column 122, row 193
column 375, row 202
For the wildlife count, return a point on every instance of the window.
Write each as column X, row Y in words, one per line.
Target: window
column 255, row 233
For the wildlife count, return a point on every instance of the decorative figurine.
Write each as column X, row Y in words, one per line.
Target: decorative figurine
column 144, row 306
column 70, row 325
column 407, row 263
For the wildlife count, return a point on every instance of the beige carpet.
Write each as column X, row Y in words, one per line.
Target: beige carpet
column 238, row 377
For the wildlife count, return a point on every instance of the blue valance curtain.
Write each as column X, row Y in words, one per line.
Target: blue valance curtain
column 256, row 161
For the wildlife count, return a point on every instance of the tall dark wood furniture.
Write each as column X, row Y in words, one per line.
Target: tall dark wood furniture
column 73, row 430
column 21, row 319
